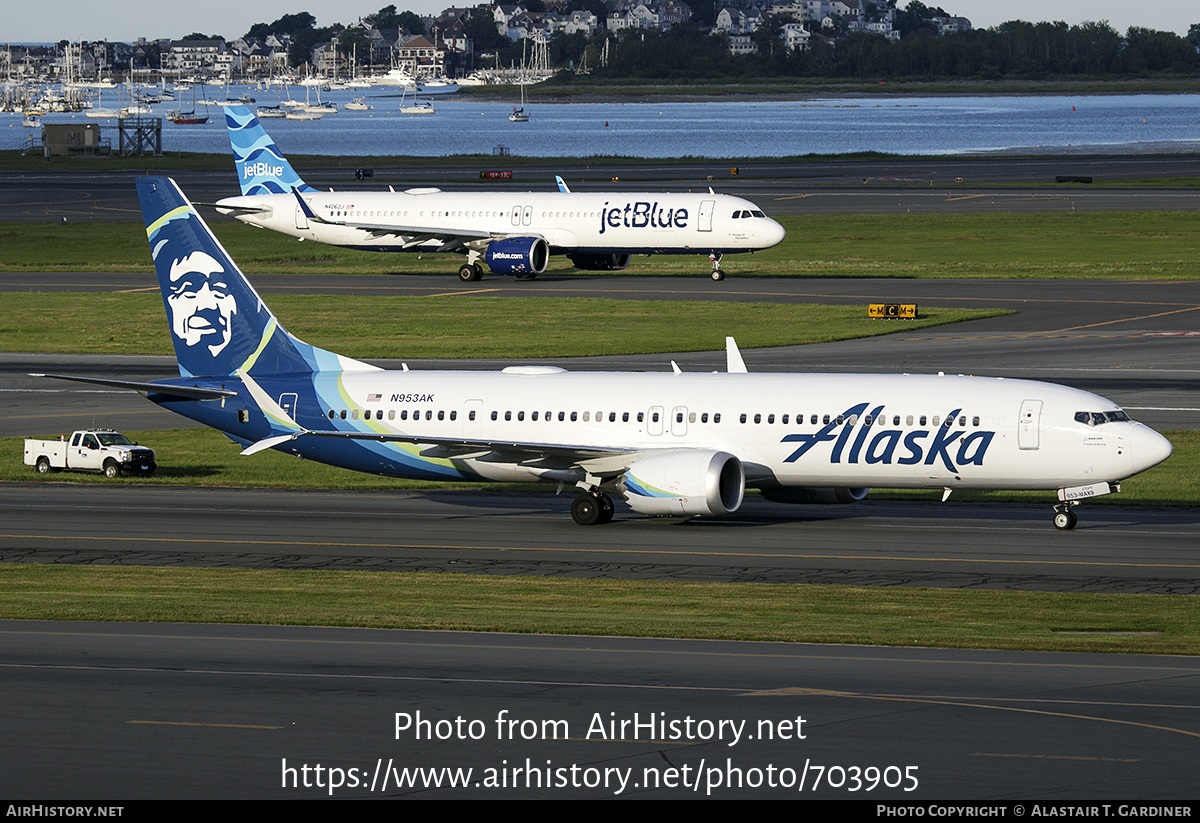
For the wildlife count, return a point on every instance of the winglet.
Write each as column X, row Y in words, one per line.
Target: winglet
column 308, row 212
column 562, row 186
column 734, row 364
column 274, row 412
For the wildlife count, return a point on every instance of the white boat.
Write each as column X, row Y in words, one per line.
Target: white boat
column 299, row 114
column 416, row 107
column 357, row 104
column 396, row 77
column 476, row 79
column 519, row 115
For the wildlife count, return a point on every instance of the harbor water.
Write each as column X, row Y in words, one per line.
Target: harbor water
column 1151, row 123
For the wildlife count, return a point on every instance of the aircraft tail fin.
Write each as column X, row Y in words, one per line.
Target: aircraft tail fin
column 261, row 167
column 219, row 324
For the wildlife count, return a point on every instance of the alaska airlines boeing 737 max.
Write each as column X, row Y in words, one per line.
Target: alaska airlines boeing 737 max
column 666, row 443
column 513, row 232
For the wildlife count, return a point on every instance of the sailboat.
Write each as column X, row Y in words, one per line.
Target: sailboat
column 417, row 106
column 188, row 118
column 520, row 115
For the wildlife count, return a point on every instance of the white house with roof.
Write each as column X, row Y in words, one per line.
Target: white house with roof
column 795, row 37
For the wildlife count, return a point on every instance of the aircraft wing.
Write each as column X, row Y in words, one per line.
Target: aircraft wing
column 595, row 460
column 598, row 460
column 460, row 446
column 450, row 239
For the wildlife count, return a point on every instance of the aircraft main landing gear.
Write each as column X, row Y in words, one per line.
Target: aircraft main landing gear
column 1064, row 518
column 471, row 271
column 592, row 508
column 715, row 259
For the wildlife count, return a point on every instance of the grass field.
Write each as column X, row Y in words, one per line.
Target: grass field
column 1144, row 624
column 1106, row 245
column 468, row 326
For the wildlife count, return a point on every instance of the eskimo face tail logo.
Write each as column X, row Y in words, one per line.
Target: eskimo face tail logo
column 200, row 302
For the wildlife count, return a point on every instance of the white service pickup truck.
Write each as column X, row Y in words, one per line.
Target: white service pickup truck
column 90, row 450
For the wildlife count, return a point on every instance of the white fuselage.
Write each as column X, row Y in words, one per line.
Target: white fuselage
column 806, row 430
column 607, row 222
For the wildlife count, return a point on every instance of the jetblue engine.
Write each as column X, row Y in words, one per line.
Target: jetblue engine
column 804, row 495
column 685, row 482
column 599, row 262
column 518, row 255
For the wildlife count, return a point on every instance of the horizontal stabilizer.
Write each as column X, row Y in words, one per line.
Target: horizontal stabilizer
column 194, row 392
column 226, row 207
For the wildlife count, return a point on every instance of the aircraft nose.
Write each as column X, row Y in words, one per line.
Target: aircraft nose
column 1148, row 448
column 773, row 234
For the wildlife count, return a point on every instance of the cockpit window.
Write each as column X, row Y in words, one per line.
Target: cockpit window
column 757, row 213
column 1100, row 418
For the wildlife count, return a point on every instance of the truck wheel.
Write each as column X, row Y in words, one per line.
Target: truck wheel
column 42, row 466
column 111, row 469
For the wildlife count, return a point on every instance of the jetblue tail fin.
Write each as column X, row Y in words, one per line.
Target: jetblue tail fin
column 261, row 167
column 219, row 324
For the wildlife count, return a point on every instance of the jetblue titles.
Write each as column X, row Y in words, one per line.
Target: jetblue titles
column 641, row 214
column 261, row 169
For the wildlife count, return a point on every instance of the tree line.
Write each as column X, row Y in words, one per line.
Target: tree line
column 1015, row 49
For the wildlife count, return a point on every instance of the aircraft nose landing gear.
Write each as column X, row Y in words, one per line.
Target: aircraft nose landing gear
column 1064, row 518
column 715, row 259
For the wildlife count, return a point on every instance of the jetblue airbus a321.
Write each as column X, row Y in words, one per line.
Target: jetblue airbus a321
column 512, row 232
column 666, row 443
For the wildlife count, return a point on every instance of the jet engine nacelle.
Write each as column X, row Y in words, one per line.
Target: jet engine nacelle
column 685, row 482
column 518, row 255
column 804, row 495
column 599, row 262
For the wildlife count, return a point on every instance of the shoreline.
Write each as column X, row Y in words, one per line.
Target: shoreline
column 769, row 91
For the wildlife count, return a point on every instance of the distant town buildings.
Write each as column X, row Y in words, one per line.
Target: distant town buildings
column 445, row 44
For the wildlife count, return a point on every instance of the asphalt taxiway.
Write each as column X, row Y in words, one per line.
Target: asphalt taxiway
column 1115, row 549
